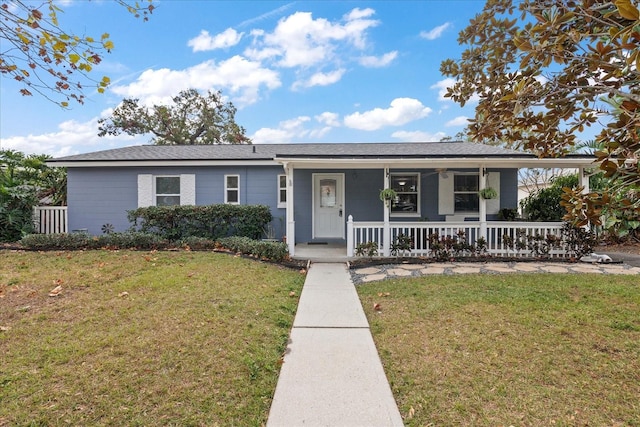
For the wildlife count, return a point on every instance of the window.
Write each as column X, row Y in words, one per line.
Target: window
column 282, row 191
column 407, row 187
column 232, row 189
column 167, row 190
column 465, row 192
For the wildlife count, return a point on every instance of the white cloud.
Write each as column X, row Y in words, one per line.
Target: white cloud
column 204, row 41
column 400, row 112
column 68, row 138
column 378, row 61
column 358, row 13
column 299, row 40
column 320, row 79
column 296, row 130
column 328, row 118
column 238, row 77
column 418, row 136
column 287, row 131
column 435, row 32
column 458, row 121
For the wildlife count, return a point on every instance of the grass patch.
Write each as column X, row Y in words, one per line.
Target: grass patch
column 141, row 338
column 515, row 349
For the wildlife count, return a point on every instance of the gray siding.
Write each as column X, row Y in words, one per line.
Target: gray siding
column 97, row 196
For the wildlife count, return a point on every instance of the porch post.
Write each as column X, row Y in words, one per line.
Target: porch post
column 583, row 180
column 291, row 225
column 482, row 184
column 350, row 236
column 386, row 231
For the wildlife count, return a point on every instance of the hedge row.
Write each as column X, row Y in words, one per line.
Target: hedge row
column 209, row 221
column 74, row 241
column 275, row 251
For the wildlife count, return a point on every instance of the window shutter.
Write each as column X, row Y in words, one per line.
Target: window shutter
column 187, row 189
column 493, row 180
column 446, row 204
column 145, row 190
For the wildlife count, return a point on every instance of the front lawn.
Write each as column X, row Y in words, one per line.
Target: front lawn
column 141, row 338
column 522, row 350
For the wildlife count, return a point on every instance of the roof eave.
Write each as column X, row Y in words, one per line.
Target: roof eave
column 463, row 161
column 156, row 163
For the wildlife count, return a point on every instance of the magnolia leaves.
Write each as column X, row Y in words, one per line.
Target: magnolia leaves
column 46, row 58
column 544, row 72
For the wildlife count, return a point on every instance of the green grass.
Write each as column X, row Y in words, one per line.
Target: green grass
column 155, row 338
column 522, row 350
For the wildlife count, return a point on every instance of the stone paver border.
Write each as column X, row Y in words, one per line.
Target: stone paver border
column 386, row 271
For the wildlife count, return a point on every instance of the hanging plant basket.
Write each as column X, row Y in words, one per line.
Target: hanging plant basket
column 488, row 193
column 388, row 194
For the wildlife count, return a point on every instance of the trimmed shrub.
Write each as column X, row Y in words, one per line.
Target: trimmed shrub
column 210, row 221
column 129, row 240
column 275, row 251
column 75, row 241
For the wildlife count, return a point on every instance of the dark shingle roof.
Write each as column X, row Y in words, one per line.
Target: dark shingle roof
column 270, row 151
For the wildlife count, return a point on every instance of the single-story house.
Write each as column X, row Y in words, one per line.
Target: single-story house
column 318, row 192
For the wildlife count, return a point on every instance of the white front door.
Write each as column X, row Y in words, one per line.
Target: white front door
column 328, row 205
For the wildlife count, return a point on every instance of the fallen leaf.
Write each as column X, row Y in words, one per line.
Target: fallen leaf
column 412, row 412
column 292, row 294
column 55, row 291
column 376, row 307
column 4, row 328
column 123, row 294
column 303, row 271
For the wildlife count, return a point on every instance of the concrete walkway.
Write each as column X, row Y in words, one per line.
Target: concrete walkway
column 332, row 374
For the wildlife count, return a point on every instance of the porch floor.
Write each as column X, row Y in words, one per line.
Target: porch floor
column 331, row 252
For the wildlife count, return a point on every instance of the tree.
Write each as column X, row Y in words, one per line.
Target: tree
column 544, row 71
column 192, row 119
column 45, row 58
column 543, row 204
column 26, row 181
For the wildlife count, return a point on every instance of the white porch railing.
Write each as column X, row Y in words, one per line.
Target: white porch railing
column 502, row 238
column 50, row 219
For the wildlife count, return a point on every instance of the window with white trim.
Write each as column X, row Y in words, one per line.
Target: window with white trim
column 167, row 190
column 407, row 188
column 232, row 189
column 282, row 191
column 465, row 192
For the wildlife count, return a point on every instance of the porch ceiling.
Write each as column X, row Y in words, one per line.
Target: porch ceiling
column 446, row 162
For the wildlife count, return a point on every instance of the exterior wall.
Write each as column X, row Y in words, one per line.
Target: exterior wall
column 97, row 196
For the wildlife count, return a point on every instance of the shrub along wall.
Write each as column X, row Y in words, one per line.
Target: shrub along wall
column 210, row 221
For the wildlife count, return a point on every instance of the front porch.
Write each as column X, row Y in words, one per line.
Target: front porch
column 385, row 201
column 430, row 239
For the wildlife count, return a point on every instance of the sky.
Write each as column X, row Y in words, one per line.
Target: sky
column 303, row 71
